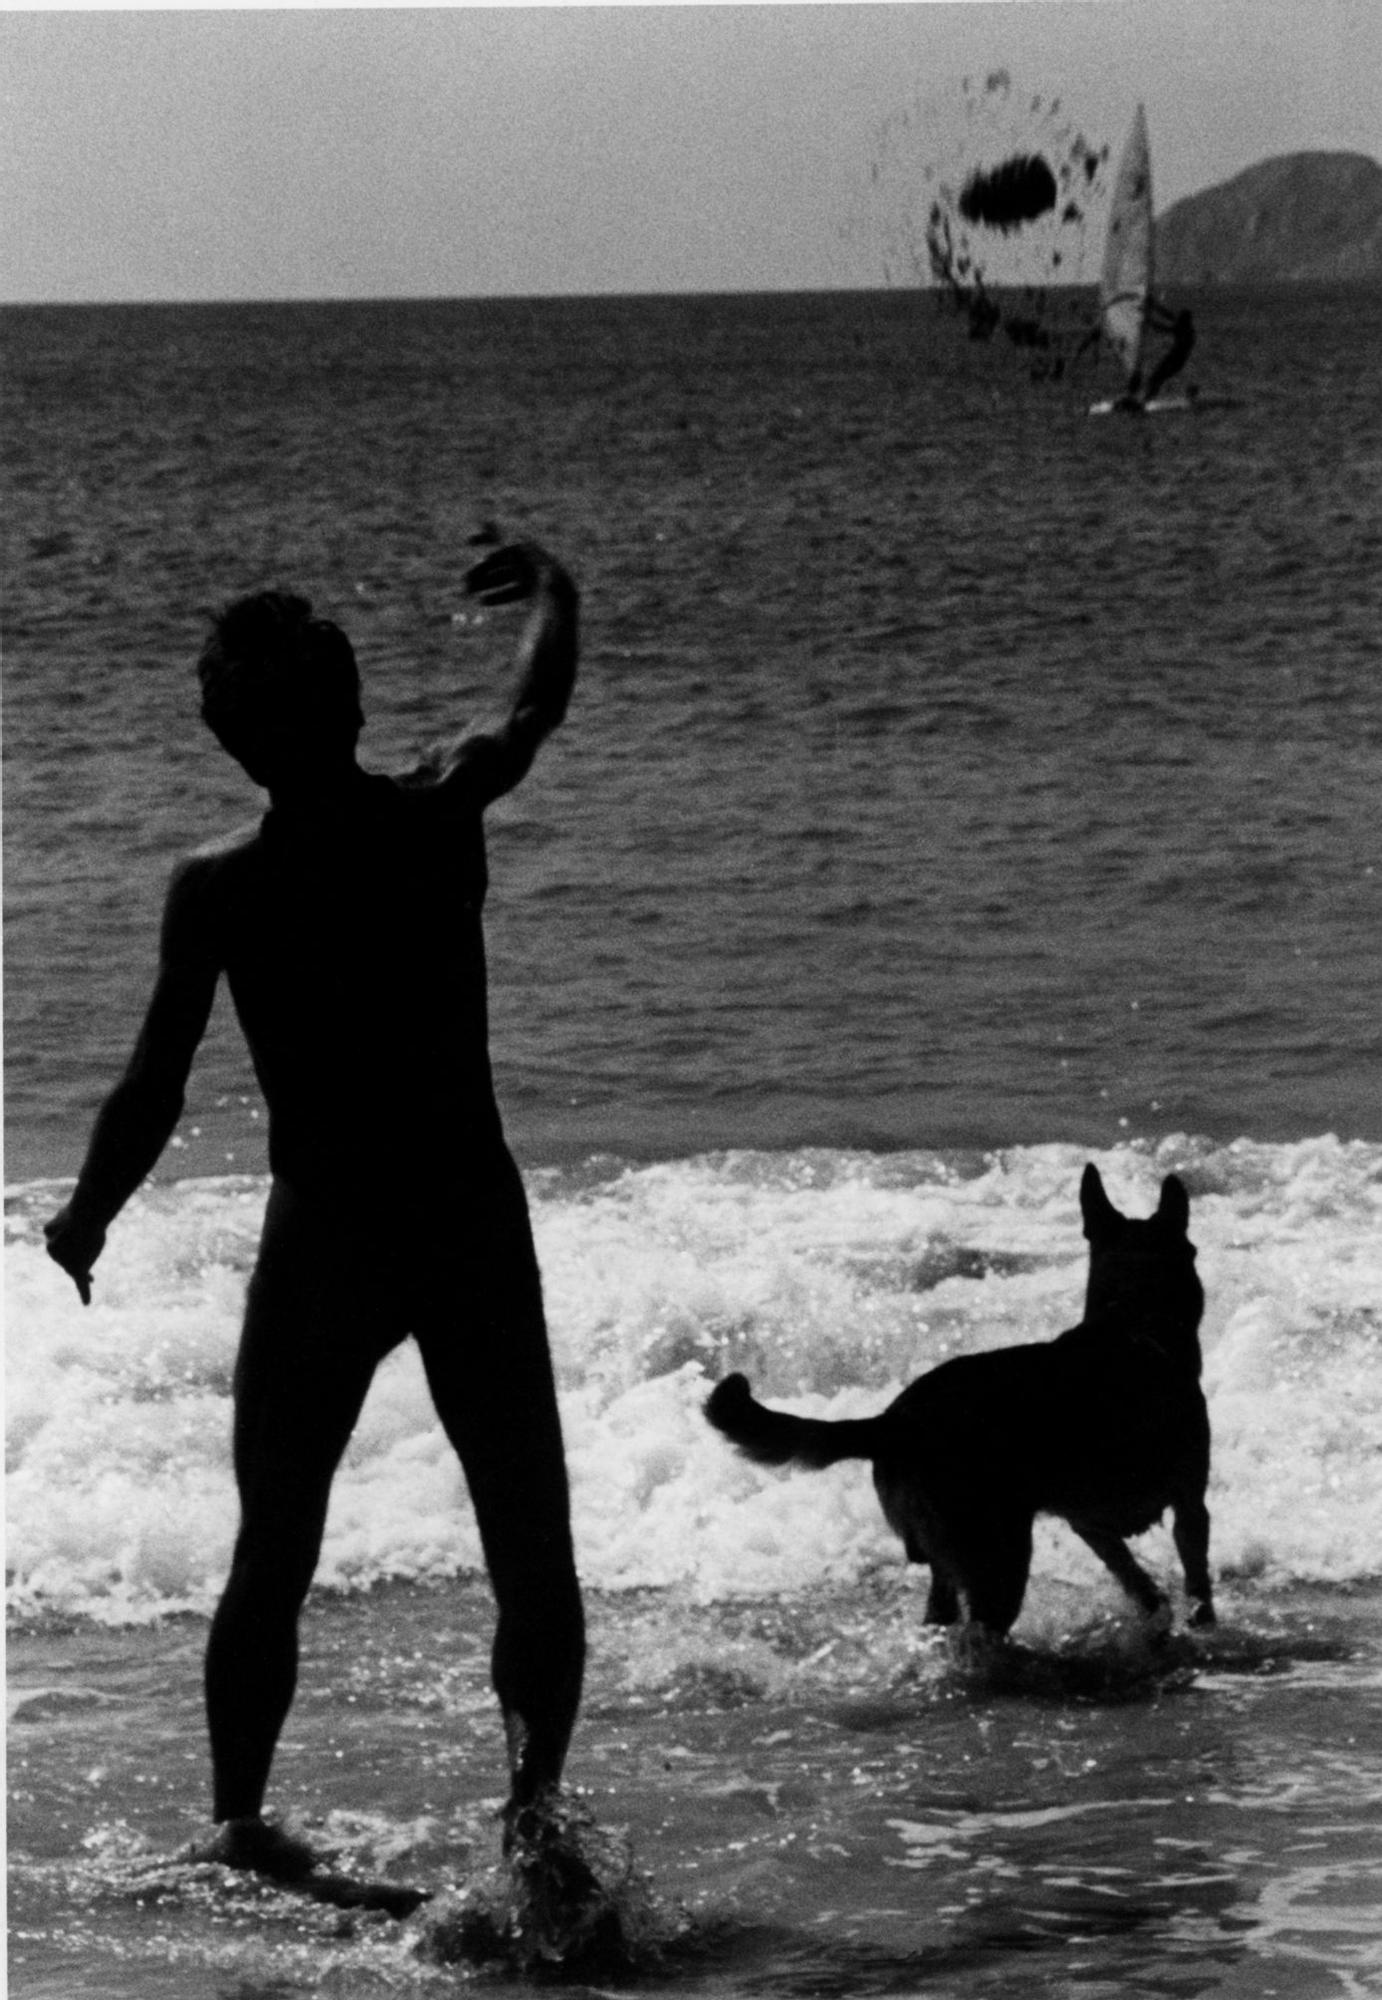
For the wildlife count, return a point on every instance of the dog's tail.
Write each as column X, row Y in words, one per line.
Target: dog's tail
column 771, row 1437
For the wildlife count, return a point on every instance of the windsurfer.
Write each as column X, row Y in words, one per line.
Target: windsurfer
column 1181, row 327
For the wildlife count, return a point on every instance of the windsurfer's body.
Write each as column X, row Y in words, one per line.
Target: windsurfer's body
column 1158, row 318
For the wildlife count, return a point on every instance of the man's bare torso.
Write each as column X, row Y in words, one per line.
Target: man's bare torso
column 352, row 946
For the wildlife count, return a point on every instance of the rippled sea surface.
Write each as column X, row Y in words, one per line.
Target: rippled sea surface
column 949, row 768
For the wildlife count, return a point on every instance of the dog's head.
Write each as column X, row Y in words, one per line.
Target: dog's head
column 1142, row 1273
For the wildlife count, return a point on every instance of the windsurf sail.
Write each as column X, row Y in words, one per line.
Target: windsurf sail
column 1125, row 283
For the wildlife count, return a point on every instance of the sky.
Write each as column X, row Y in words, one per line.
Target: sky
column 305, row 152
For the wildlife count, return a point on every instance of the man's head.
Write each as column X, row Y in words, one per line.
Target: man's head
column 280, row 689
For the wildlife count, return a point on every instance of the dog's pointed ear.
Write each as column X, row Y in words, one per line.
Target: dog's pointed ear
column 1174, row 1206
column 1098, row 1211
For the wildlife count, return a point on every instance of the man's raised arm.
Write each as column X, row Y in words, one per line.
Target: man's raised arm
column 492, row 761
column 138, row 1118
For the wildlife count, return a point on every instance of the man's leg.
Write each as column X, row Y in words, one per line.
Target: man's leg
column 303, row 1371
column 484, row 1346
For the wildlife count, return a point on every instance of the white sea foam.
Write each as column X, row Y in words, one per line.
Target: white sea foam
column 831, row 1278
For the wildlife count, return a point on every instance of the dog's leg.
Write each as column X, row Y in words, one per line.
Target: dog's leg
column 975, row 1650
column 902, row 1509
column 1191, row 1533
column 993, row 1575
column 1116, row 1556
column 942, row 1601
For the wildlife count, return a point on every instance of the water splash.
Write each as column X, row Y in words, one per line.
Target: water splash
column 830, row 1278
column 567, row 1899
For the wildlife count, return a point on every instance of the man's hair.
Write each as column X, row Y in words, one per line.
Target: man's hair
column 269, row 660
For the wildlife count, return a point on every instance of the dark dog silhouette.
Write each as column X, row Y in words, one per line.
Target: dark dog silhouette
column 1105, row 1426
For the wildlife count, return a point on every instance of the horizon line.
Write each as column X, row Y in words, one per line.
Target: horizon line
column 920, row 289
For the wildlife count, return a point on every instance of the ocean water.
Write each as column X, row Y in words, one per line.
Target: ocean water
column 947, row 769
column 957, row 789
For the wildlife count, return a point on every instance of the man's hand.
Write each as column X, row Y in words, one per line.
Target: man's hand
column 515, row 572
column 75, row 1245
column 490, row 762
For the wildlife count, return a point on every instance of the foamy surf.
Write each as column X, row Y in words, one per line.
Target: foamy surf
column 831, row 1278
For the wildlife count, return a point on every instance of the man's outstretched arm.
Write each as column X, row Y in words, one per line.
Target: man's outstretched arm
column 138, row 1118
column 492, row 761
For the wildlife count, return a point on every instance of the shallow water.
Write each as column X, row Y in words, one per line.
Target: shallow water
column 820, row 1800
column 817, row 1803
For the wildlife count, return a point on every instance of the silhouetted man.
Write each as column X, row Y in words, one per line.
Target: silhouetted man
column 347, row 925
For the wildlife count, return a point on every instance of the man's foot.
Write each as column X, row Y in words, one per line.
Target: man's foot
column 525, row 1823
column 542, row 1847
column 560, row 1909
column 258, row 1847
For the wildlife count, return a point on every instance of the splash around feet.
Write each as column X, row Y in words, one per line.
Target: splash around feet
column 566, row 1896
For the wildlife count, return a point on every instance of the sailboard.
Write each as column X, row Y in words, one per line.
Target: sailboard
column 1160, row 406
